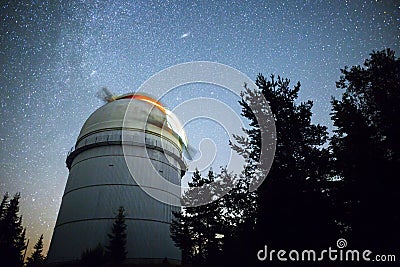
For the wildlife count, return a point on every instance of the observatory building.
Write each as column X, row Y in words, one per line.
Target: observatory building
column 124, row 149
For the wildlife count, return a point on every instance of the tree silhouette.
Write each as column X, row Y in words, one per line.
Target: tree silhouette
column 182, row 234
column 292, row 209
column 195, row 230
column 37, row 258
column 3, row 207
column 366, row 148
column 12, row 235
column 116, row 250
column 93, row 257
column 3, row 210
column 239, row 208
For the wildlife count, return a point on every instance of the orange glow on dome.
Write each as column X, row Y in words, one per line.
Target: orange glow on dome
column 144, row 98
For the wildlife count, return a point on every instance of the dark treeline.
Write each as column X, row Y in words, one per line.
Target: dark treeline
column 319, row 188
column 13, row 243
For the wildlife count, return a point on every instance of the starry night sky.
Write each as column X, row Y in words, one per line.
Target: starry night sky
column 55, row 56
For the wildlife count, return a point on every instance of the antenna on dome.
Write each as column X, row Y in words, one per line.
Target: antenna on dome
column 105, row 95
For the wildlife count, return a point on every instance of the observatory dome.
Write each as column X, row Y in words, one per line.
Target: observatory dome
column 135, row 111
column 124, row 152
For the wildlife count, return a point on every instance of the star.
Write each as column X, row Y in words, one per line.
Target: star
column 185, row 35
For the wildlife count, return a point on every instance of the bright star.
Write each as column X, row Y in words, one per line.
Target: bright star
column 186, row 34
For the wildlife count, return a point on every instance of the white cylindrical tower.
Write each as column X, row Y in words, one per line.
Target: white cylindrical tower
column 119, row 137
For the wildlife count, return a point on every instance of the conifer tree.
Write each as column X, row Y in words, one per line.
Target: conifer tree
column 239, row 207
column 12, row 235
column 116, row 249
column 3, row 206
column 182, row 233
column 37, row 258
column 3, row 209
column 93, row 257
column 292, row 210
column 366, row 150
column 195, row 229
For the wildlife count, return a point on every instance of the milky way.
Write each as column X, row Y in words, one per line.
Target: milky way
column 55, row 56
